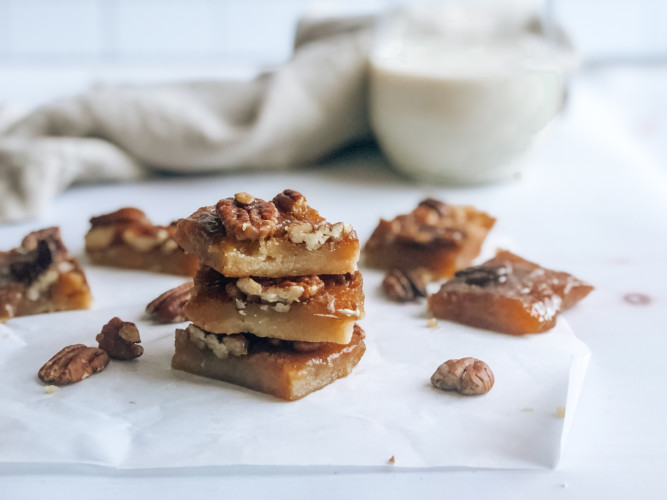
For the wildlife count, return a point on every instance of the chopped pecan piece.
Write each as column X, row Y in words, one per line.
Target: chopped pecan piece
column 290, row 201
column 169, row 307
column 404, row 286
column 244, row 198
column 439, row 206
column 73, row 364
column 253, row 221
column 120, row 339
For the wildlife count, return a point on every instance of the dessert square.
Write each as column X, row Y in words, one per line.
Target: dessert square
column 127, row 239
column 508, row 294
column 287, row 370
column 247, row 236
column 435, row 238
column 306, row 308
column 40, row 276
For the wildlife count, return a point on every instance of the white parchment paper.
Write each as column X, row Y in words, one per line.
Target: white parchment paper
column 142, row 414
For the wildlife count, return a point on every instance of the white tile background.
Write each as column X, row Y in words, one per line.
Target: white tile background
column 53, row 47
column 261, row 30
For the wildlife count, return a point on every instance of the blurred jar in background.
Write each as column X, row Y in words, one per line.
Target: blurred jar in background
column 459, row 90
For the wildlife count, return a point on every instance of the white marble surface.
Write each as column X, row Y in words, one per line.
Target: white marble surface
column 593, row 204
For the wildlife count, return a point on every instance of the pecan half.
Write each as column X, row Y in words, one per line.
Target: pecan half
column 252, row 221
column 127, row 215
column 73, row 364
column 468, row 376
column 403, row 286
column 120, row 339
column 169, row 307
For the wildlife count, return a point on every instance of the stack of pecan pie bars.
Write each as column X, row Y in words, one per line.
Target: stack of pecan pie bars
column 276, row 299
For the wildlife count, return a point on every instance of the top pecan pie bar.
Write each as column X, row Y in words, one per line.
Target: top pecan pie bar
column 127, row 238
column 40, row 276
column 244, row 236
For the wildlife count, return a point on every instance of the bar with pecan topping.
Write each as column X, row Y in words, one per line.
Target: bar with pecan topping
column 435, row 238
column 41, row 276
column 127, row 239
column 244, row 236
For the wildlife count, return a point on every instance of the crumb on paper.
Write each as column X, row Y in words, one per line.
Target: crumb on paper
column 50, row 389
column 432, row 323
column 392, row 460
column 560, row 411
column 527, row 410
column 133, row 402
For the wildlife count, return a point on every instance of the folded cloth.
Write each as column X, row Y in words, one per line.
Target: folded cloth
column 306, row 109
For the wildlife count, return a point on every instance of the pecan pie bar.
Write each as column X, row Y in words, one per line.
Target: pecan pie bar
column 287, row 370
column 246, row 236
column 508, row 294
column 307, row 308
column 40, row 276
column 126, row 238
column 435, row 237
column 274, row 304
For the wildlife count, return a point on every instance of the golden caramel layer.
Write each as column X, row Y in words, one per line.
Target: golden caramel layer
column 508, row 294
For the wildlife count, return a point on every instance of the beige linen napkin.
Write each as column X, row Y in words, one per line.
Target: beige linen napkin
column 307, row 108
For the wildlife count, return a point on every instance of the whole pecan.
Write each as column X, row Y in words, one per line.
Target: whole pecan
column 468, row 376
column 73, row 364
column 169, row 307
column 403, row 286
column 120, row 339
column 248, row 221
